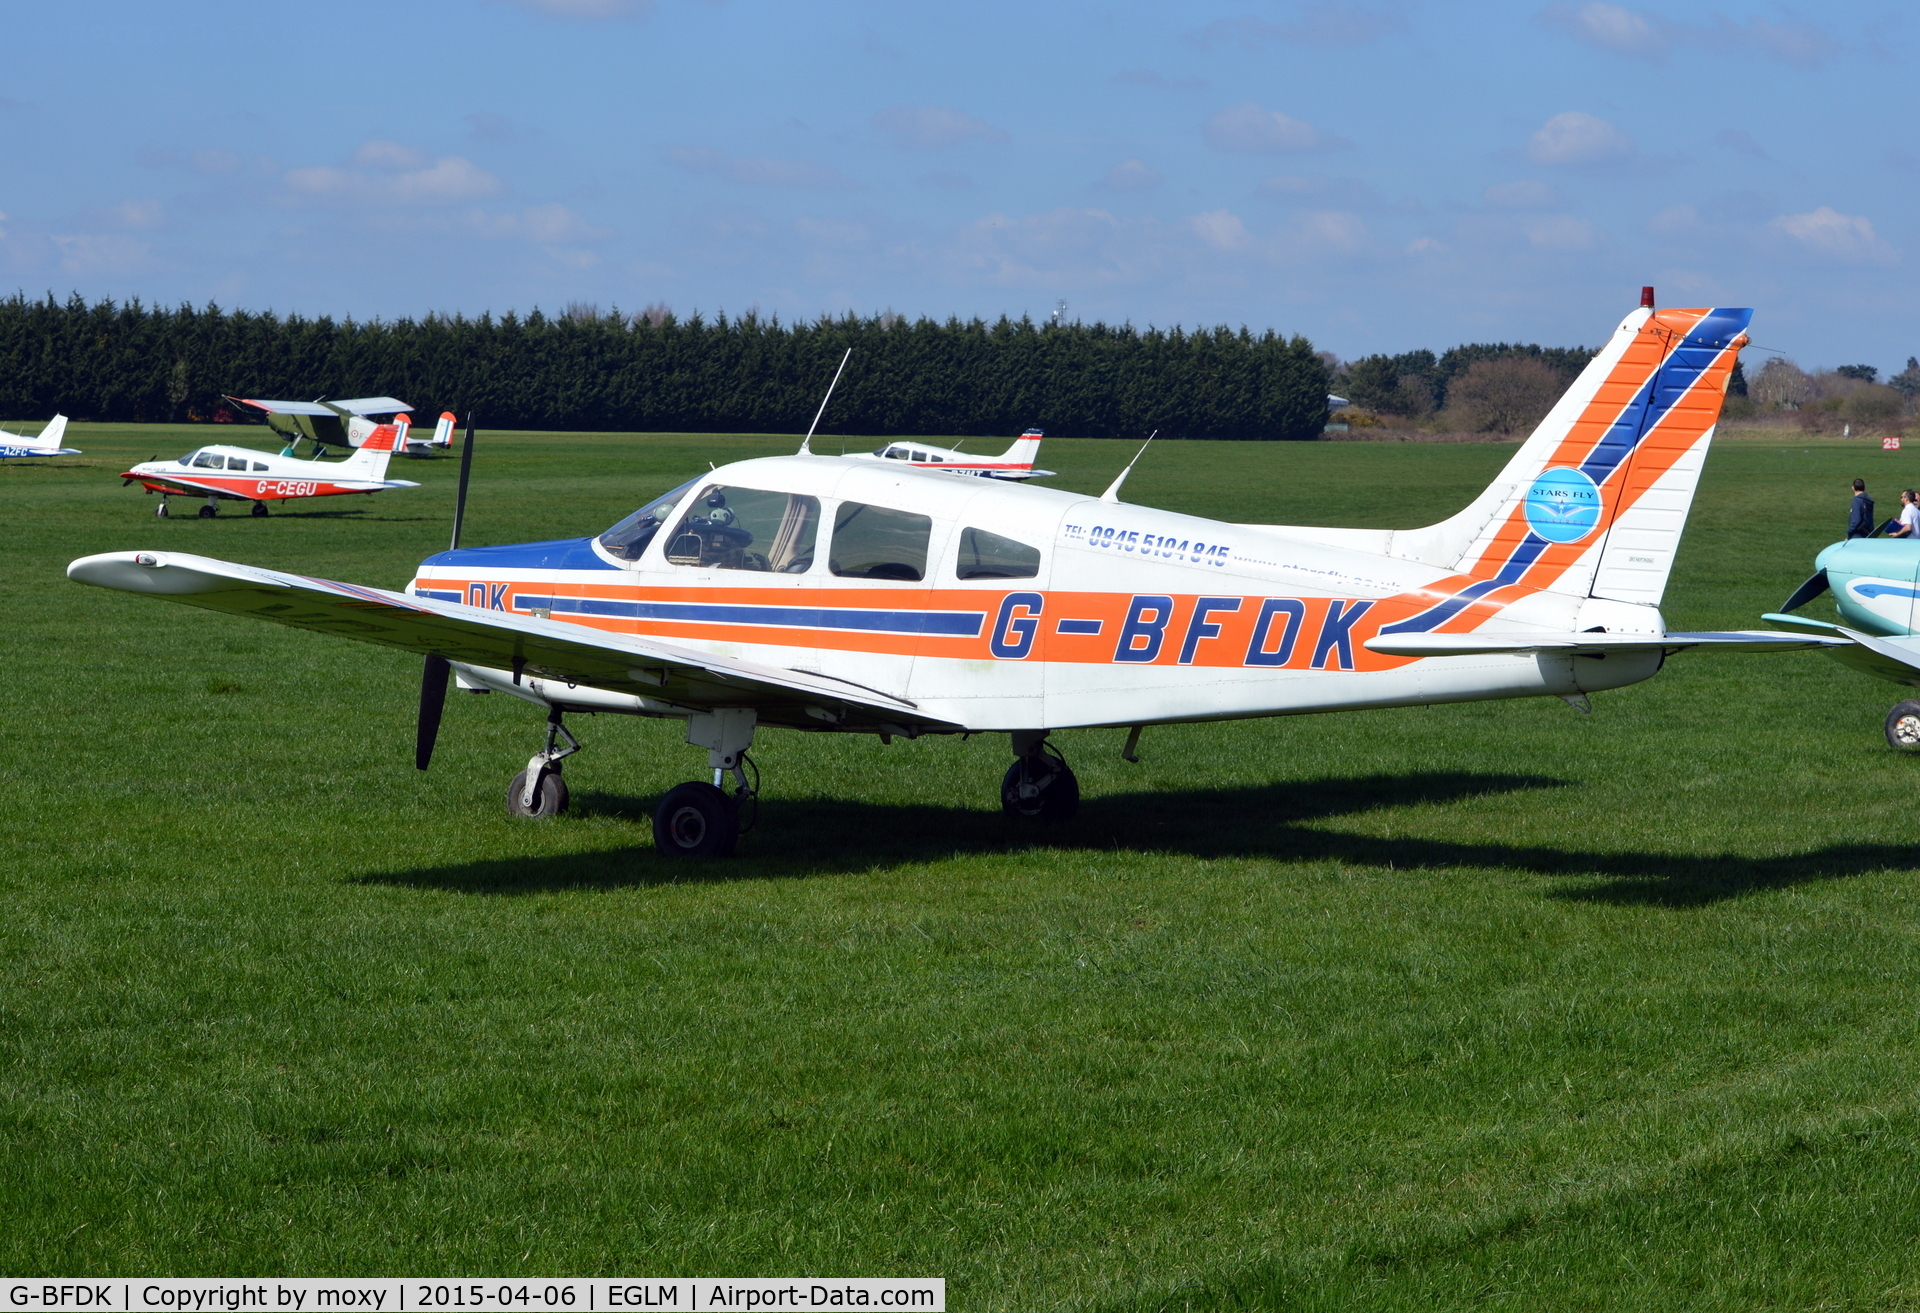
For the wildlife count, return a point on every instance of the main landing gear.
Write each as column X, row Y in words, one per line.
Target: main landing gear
column 1039, row 785
column 211, row 509
column 538, row 792
column 1903, row 726
column 259, row 511
column 697, row 819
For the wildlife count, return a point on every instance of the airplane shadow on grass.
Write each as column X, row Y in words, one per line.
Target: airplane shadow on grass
column 794, row 838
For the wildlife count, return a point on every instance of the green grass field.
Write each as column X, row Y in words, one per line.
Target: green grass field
column 1489, row 1005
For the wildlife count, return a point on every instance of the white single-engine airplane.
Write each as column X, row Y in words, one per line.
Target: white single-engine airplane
column 44, row 443
column 1015, row 463
column 834, row 596
column 238, row 474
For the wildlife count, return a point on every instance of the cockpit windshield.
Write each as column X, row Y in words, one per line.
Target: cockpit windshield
column 629, row 538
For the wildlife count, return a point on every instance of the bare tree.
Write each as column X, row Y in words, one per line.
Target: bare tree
column 1504, row 395
column 1780, row 382
column 581, row 312
column 655, row 314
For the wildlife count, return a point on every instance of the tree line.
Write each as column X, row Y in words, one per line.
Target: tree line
column 656, row 372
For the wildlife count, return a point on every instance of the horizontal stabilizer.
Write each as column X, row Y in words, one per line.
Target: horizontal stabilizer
column 1738, row 640
column 679, row 680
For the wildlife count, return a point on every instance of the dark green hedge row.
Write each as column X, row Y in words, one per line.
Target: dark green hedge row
column 590, row 371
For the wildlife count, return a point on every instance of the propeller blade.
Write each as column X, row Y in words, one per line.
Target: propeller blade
column 433, row 699
column 1807, row 591
column 466, row 469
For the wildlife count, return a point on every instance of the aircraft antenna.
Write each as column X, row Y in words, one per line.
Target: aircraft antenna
column 466, row 469
column 1112, row 494
column 806, row 443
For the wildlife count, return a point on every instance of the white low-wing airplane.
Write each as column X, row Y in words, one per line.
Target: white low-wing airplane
column 825, row 595
column 44, row 443
column 1015, row 463
column 239, row 474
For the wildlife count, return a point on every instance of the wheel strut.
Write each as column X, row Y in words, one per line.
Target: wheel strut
column 548, row 759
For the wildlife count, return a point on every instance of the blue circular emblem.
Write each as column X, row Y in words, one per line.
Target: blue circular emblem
column 1563, row 505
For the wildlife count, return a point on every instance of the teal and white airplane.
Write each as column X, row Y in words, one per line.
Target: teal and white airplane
column 1876, row 586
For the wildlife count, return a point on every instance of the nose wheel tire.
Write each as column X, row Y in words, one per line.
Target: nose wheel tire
column 695, row 820
column 1040, row 787
column 549, row 800
column 160, row 511
column 207, row 512
column 1903, row 726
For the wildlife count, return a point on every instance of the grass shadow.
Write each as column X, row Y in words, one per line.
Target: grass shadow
column 795, row 838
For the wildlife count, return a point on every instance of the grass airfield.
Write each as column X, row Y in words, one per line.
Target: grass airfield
column 1493, row 1004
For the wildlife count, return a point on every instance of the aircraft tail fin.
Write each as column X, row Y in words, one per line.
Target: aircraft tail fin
column 443, row 430
column 52, row 435
column 1025, row 449
column 369, row 461
column 1594, row 502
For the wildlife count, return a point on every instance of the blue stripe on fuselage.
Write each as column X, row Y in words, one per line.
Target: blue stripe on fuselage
column 948, row 624
column 557, row 554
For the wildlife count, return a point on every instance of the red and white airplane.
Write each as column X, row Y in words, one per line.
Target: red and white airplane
column 238, row 474
column 1015, row 463
column 826, row 595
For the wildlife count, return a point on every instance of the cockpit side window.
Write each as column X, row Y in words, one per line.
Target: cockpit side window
column 629, row 538
column 747, row 529
column 895, row 453
column 207, row 460
column 237, row 463
column 986, row 555
column 876, row 542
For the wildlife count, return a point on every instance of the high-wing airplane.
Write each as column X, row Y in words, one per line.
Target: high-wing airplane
column 1875, row 584
column 238, row 474
column 44, row 443
column 328, row 423
column 1015, row 463
column 825, row 595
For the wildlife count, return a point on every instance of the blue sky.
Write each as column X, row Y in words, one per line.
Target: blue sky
column 1378, row 176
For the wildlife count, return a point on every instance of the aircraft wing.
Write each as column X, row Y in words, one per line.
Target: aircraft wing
column 1896, row 660
column 357, row 406
column 1738, row 640
column 676, row 677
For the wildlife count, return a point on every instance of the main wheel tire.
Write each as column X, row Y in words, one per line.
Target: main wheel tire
column 695, row 820
column 259, row 510
column 207, row 512
column 1040, row 787
column 549, row 800
column 161, row 510
column 1903, row 726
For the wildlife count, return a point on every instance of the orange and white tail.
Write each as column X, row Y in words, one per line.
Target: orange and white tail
column 370, row 460
column 1024, row 451
column 1594, row 501
column 442, row 430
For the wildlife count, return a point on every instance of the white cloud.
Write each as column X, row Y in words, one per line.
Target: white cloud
column 1130, row 175
column 1524, row 195
column 1334, row 230
column 1577, row 138
column 1220, row 229
column 101, row 253
column 762, row 170
column 1843, row 236
column 1675, row 221
column 1652, row 36
column 376, row 154
column 590, row 8
column 449, row 179
column 543, row 224
column 141, row 214
column 1559, row 232
column 1061, row 248
column 1425, row 246
column 930, row 127
column 1248, row 127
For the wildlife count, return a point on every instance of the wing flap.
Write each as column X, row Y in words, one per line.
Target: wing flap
column 526, row 645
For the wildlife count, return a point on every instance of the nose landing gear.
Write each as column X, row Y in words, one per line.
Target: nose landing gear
column 1039, row 785
column 538, row 792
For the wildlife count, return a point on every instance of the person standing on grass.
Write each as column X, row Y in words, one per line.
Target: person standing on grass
column 1908, row 525
column 1860, row 518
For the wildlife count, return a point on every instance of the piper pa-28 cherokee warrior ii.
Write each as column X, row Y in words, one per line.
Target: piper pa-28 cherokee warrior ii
column 822, row 594
column 238, row 474
column 1016, row 462
column 44, row 443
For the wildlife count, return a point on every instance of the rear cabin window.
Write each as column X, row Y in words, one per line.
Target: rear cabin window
column 237, row 463
column 746, row 529
column 259, row 467
column 986, row 555
column 206, row 460
column 876, row 542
